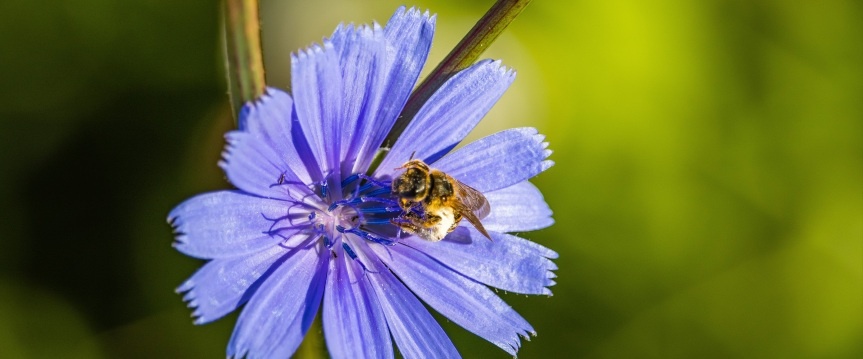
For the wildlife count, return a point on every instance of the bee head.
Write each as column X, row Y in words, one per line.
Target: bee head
column 412, row 185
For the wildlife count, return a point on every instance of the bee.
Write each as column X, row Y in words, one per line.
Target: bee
column 434, row 202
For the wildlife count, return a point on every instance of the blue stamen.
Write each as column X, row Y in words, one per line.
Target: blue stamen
column 370, row 183
column 324, row 186
column 349, row 251
column 391, row 202
column 312, row 215
column 378, row 192
column 370, row 237
column 366, row 235
column 335, row 205
column 327, row 242
column 350, row 179
column 374, row 181
column 353, row 255
column 374, row 210
column 279, row 223
column 344, row 202
column 365, row 187
column 377, row 221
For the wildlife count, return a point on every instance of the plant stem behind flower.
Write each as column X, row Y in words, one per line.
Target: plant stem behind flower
column 244, row 60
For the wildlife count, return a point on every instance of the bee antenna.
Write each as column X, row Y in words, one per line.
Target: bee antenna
column 412, row 155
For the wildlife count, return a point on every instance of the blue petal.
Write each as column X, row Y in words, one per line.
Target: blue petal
column 279, row 314
column 469, row 304
column 450, row 113
column 499, row 160
column 517, row 208
column 413, row 328
column 232, row 223
column 222, row 285
column 269, row 121
column 317, row 85
column 364, row 64
column 261, row 159
column 354, row 324
column 409, row 36
column 506, row 262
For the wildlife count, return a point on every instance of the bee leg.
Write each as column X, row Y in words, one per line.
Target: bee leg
column 431, row 220
column 406, row 204
column 405, row 223
column 457, row 220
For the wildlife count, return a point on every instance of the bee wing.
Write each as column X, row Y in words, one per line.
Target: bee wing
column 472, row 205
column 472, row 218
column 473, row 200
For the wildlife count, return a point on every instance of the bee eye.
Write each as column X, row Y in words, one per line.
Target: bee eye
column 419, row 187
column 411, row 185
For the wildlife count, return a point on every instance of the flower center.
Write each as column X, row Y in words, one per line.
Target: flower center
column 365, row 210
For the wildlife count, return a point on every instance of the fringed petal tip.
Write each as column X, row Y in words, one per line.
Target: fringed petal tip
column 523, row 334
column 271, row 94
column 179, row 241
column 546, row 290
column 234, row 141
column 546, row 164
column 312, row 50
column 550, row 254
column 180, row 237
column 505, row 72
column 191, row 301
column 346, row 32
column 413, row 14
column 539, row 138
column 272, row 98
column 178, row 226
column 550, row 267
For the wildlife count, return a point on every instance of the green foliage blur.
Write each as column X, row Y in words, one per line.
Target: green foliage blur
column 708, row 189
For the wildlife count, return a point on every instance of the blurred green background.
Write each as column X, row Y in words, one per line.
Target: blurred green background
column 708, row 190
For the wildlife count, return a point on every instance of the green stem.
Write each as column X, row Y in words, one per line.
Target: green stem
column 245, row 64
column 463, row 55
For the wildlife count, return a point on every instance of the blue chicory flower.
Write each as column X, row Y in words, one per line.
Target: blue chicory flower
column 304, row 228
